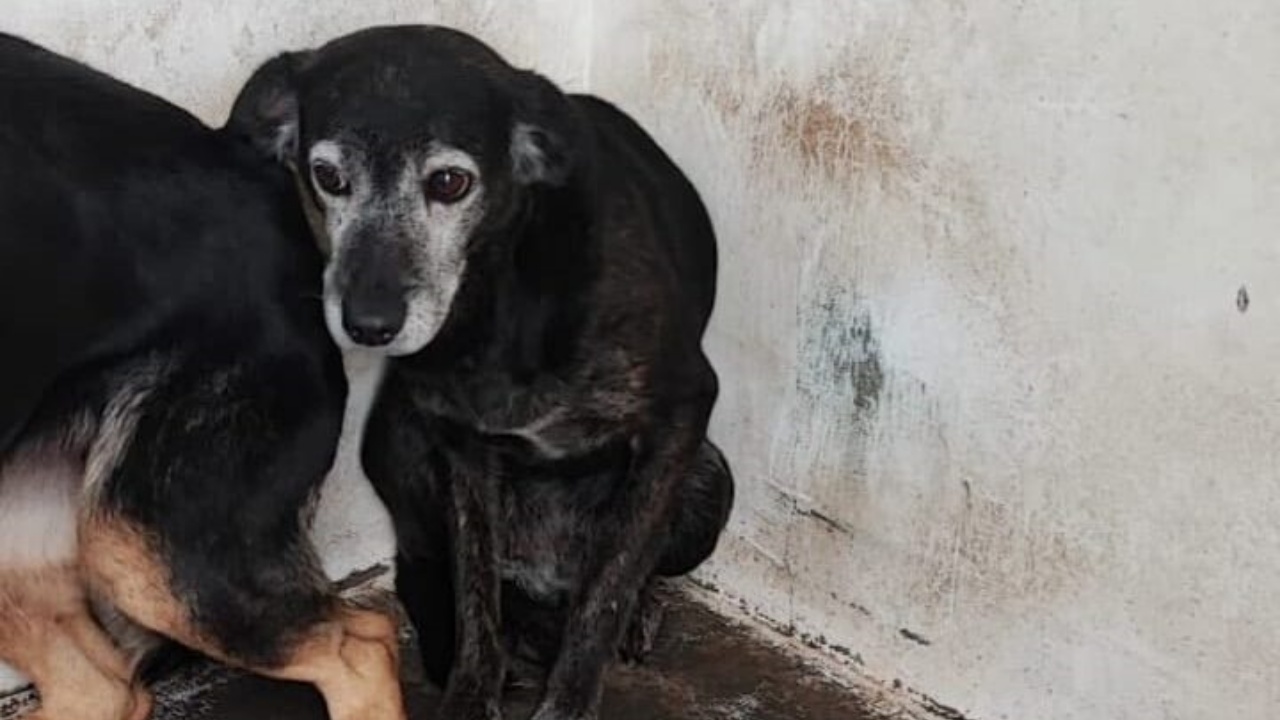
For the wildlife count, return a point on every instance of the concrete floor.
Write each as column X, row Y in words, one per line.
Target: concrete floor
column 704, row 667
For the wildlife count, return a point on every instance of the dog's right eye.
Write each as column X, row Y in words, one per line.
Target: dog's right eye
column 329, row 179
column 448, row 185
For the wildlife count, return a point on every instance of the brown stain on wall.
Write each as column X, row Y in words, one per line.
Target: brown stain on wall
column 827, row 142
column 836, row 141
column 860, row 157
column 849, row 137
column 840, row 128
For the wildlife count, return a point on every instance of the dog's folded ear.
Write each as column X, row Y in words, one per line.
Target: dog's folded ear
column 545, row 137
column 265, row 112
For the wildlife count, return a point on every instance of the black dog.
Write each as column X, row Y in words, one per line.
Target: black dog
column 543, row 275
column 170, row 401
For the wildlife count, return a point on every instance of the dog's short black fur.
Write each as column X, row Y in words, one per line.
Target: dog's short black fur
column 541, row 444
column 162, row 336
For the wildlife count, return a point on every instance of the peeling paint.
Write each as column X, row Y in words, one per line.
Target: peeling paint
column 914, row 637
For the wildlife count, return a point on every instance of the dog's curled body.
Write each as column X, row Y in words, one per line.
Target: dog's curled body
column 169, row 399
column 540, row 274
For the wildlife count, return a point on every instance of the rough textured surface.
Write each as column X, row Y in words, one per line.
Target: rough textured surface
column 994, row 329
column 688, row 677
column 1003, row 428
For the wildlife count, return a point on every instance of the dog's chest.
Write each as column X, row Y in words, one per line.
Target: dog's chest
column 491, row 401
column 549, row 514
column 548, row 527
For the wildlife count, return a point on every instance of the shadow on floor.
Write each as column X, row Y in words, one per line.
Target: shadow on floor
column 703, row 668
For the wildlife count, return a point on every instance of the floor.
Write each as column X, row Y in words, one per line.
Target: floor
column 704, row 667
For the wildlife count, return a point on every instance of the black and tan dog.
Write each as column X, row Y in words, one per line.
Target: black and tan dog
column 169, row 403
column 541, row 274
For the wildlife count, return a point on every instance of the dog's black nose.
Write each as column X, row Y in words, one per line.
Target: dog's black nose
column 372, row 323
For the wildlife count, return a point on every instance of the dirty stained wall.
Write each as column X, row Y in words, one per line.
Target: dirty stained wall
column 994, row 328
column 997, row 334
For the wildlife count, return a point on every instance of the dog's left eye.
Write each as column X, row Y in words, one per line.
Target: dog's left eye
column 448, row 185
column 329, row 178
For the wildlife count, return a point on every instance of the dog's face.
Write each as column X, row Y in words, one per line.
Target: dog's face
column 413, row 148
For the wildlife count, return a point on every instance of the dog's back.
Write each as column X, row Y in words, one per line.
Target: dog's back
column 630, row 158
column 126, row 223
column 170, row 399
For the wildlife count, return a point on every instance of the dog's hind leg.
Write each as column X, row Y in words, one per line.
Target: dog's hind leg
column 46, row 631
column 636, row 528
column 350, row 654
column 706, row 499
column 46, row 626
column 701, row 514
column 196, row 532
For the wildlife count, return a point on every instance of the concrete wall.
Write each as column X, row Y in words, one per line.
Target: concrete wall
column 1005, row 426
column 994, row 328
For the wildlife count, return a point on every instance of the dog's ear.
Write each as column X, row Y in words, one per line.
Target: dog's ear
column 545, row 133
column 265, row 112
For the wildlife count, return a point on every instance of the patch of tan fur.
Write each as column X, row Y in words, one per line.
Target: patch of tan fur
column 47, row 632
column 121, row 565
column 353, row 659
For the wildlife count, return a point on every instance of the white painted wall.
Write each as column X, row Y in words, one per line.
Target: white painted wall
column 985, row 378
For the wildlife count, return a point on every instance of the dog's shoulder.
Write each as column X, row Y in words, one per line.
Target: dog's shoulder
column 652, row 225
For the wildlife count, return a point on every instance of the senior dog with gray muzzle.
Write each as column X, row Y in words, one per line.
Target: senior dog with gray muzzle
column 540, row 274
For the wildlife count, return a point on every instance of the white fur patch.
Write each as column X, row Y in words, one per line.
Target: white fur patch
column 39, row 492
column 284, row 142
column 439, row 233
column 535, row 433
column 539, row 580
column 528, row 160
column 116, row 428
column 334, row 225
column 340, row 212
column 46, row 484
column 351, row 529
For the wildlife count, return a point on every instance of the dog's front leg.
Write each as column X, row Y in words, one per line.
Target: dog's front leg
column 475, row 683
column 625, row 557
